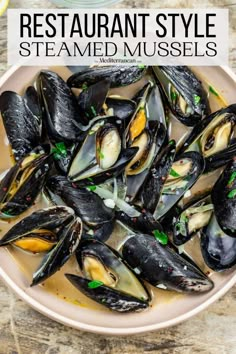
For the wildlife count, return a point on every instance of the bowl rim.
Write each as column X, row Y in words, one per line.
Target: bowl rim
column 100, row 329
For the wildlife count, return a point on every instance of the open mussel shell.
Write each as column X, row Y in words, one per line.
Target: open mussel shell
column 22, row 125
column 61, row 108
column 213, row 135
column 119, row 106
column 117, row 75
column 69, row 237
column 146, row 132
column 38, row 231
column 183, row 174
column 92, row 99
column 184, row 93
column 24, row 181
column 159, row 171
column 99, row 262
column 191, row 220
column 224, row 199
column 86, row 204
column 218, row 248
column 162, row 267
column 101, row 155
column 220, row 158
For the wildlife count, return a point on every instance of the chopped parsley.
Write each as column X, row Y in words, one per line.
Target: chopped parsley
column 84, row 87
column 141, row 66
column 95, row 284
column 231, row 194
column 91, row 188
column 212, row 90
column 93, row 110
column 90, row 179
column 160, row 236
column 101, row 155
column 173, row 173
column 232, row 178
column 173, row 96
column 59, row 151
column 196, row 99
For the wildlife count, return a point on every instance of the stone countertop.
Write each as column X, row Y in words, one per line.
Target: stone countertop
column 24, row 331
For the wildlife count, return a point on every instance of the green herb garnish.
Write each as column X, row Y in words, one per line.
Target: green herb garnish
column 171, row 142
column 84, row 87
column 173, row 96
column 212, row 90
column 90, row 179
column 232, row 178
column 94, row 284
column 93, row 110
column 59, row 151
column 141, row 66
column 160, row 236
column 196, row 99
column 101, row 155
column 91, row 188
column 231, row 194
column 173, row 173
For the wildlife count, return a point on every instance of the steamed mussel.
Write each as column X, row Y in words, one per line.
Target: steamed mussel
column 184, row 93
column 54, row 230
column 107, row 279
column 125, row 192
column 24, row 181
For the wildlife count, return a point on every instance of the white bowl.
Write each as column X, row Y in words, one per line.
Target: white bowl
column 168, row 310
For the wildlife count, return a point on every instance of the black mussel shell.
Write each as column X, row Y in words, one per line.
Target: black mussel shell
column 179, row 82
column 117, row 75
column 120, row 107
column 69, row 238
column 33, row 102
column 214, row 119
column 224, row 199
column 107, row 296
column 91, row 100
column 47, row 219
column 23, row 182
column 145, row 222
column 192, row 219
column 155, row 180
column 162, row 267
column 218, row 248
column 86, row 204
column 61, row 108
column 21, row 124
column 176, row 186
column 220, row 158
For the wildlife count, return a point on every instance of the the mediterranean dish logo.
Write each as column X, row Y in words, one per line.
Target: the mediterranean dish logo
column 140, row 36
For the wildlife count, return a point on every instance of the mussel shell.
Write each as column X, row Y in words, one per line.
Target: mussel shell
column 188, row 86
column 220, row 158
column 108, row 297
column 199, row 128
column 167, row 201
column 224, row 199
column 61, row 108
column 69, row 238
column 92, row 99
column 33, row 102
column 161, row 266
column 21, row 125
column 218, row 248
column 145, row 222
column 120, row 275
column 86, row 204
column 49, row 219
column 121, row 107
column 155, row 180
column 27, row 192
column 181, row 226
column 117, row 75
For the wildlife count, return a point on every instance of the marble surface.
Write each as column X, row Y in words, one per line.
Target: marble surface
column 24, row 331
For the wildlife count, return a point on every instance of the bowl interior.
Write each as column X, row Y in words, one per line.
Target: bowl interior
column 168, row 310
